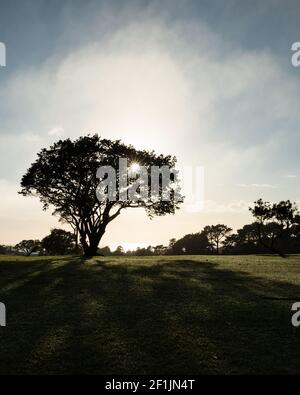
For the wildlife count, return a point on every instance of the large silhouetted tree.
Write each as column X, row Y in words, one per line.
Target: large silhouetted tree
column 64, row 177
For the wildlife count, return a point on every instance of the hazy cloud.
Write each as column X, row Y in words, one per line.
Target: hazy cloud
column 57, row 131
column 173, row 84
column 257, row 186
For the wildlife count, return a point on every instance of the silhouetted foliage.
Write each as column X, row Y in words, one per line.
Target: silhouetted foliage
column 159, row 249
column 119, row 251
column 105, row 251
column 27, row 247
column 59, row 242
column 7, row 250
column 191, row 244
column 64, row 176
column 215, row 234
column 3, row 250
column 274, row 224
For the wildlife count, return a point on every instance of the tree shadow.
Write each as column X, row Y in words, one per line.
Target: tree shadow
column 112, row 317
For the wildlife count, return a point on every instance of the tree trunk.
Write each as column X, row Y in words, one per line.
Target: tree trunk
column 90, row 249
column 272, row 249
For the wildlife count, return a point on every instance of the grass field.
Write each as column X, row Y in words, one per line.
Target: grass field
column 188, row 314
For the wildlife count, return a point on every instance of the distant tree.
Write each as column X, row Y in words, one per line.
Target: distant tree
column 27, row 247
column 64, row 176
column 294, row 245
column 215, row 234
column 59, row 242
column 172, row 242
column 119, row 251
column 231, row 243
column 142, row 251
column 159, row 249
column 7, row 250
column 105, row 251
column 245, row 240
column 274, row 223
column 3, row 250
column 191, row 244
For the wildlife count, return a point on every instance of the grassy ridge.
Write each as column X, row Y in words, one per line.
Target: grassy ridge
column 187, row 314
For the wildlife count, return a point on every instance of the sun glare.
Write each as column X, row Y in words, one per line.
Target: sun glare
column 134, row 167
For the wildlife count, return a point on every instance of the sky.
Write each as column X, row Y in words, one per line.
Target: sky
column 208, row 81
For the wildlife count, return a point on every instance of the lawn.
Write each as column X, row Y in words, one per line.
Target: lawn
column 161, row 315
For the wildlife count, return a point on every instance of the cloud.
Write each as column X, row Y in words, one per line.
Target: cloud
column 257, row 186
column 151, row 84
column 293, row 176
column 57, row 131
column 178, row 88
column 236, row 206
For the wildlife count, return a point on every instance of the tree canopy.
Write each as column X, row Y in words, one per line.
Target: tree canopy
column 274, row 222
column 64, row 177
column 59, row 242
column 215, row 234
column 27, row 247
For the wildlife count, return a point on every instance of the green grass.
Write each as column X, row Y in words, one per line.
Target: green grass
column 188, row 314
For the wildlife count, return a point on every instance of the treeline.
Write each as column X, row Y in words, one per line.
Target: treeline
column 58, row 242
column 275, row 229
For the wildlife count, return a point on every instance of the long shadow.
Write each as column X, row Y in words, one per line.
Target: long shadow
column 181, row 316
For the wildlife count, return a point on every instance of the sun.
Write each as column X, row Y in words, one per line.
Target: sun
column 134, row 167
